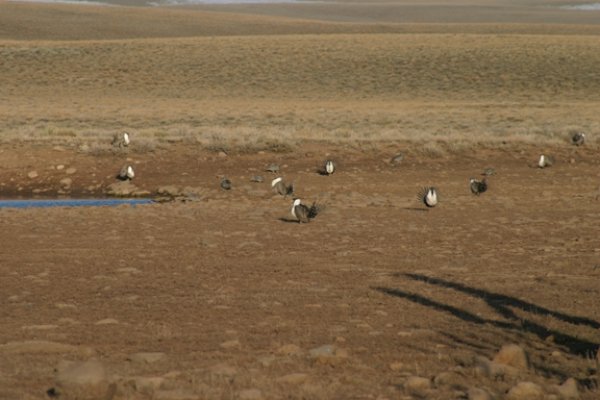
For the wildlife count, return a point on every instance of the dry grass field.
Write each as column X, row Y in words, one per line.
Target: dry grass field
column 226, row 296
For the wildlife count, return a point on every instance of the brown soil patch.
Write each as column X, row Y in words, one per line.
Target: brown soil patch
column 236, row 296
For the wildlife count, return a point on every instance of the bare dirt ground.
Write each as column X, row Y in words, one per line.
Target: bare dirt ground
column 226, row 296
column 233, row 296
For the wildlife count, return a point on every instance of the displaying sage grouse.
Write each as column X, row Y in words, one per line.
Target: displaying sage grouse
column 279, row 185
column 225, row 184
column 328, row 168
column 429, row 196
column 126, row 173
column 578, row 138
column 545, row 161
column 478, row 187
column 121, row 140
column 303, row 213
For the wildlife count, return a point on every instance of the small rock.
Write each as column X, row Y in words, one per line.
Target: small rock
column 489, row 172
column 568, row 390
column 293, row 379
column 83, row 380
column 66, row 182
column 122, row 189
column 250, row 394
column 266, row 361
column 396, row 366
column 169, row 190
column 147, row 385
column 81, row 373
column 128, row 270
column 257, row 179
column 70, row 170
column 494, row 370
column 328, row 354
column 231, row 344
column 451, row 379
column 222, row 154
column 32, row 174
column 525, row 391
column 417, row 385
column 397, row 159
column 147, row 357
column 512, row 355
column 60, row 167
column 478, row 394
column 107, row 321
column 289, row 350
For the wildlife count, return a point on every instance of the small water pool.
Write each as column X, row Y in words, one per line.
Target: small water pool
column 45, row 203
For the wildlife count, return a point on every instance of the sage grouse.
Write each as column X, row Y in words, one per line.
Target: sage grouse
column 279, row 185
column 578, row 138
column 545, row 161
column 225, row 184
column 478, row 187
column 121, row 140
column 303, row 213
column 429, row 196
column 328, row 168
column 126, row 173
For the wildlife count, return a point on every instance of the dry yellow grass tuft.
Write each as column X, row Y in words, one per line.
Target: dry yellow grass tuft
column 267, row 92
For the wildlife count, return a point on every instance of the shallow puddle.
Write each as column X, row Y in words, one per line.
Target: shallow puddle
column 44, row 203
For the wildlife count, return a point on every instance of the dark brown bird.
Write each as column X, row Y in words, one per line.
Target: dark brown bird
column 303, row 213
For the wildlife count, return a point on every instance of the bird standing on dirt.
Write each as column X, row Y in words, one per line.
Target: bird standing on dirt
column 328, row 168
column 545, row 161
column 303, row 213
column 121, row 140
column 478, row 187
column 429, row 196
column 282, row 188
column 273, row 168
column 225, row 184
column 126, row 173
column 578, row 138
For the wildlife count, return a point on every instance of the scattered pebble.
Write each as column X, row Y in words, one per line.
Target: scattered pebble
column 32, row 174
column 478, row 394
column 231, row 344
column 293, row 379
column 147, row 357
column 525, row 391
column 66, row 182
column 512, row 355
column 417, row 385
column 396, row 366
column 89, row 372
column 568, row 390
column 107, row 321
column 328, row 354
column 289, row 350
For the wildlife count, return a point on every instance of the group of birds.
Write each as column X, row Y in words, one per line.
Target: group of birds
column 120, row 141
column 428, row 195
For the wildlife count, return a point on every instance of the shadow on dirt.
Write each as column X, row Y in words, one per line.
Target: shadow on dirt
column 502, row 304
column 288, row 220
